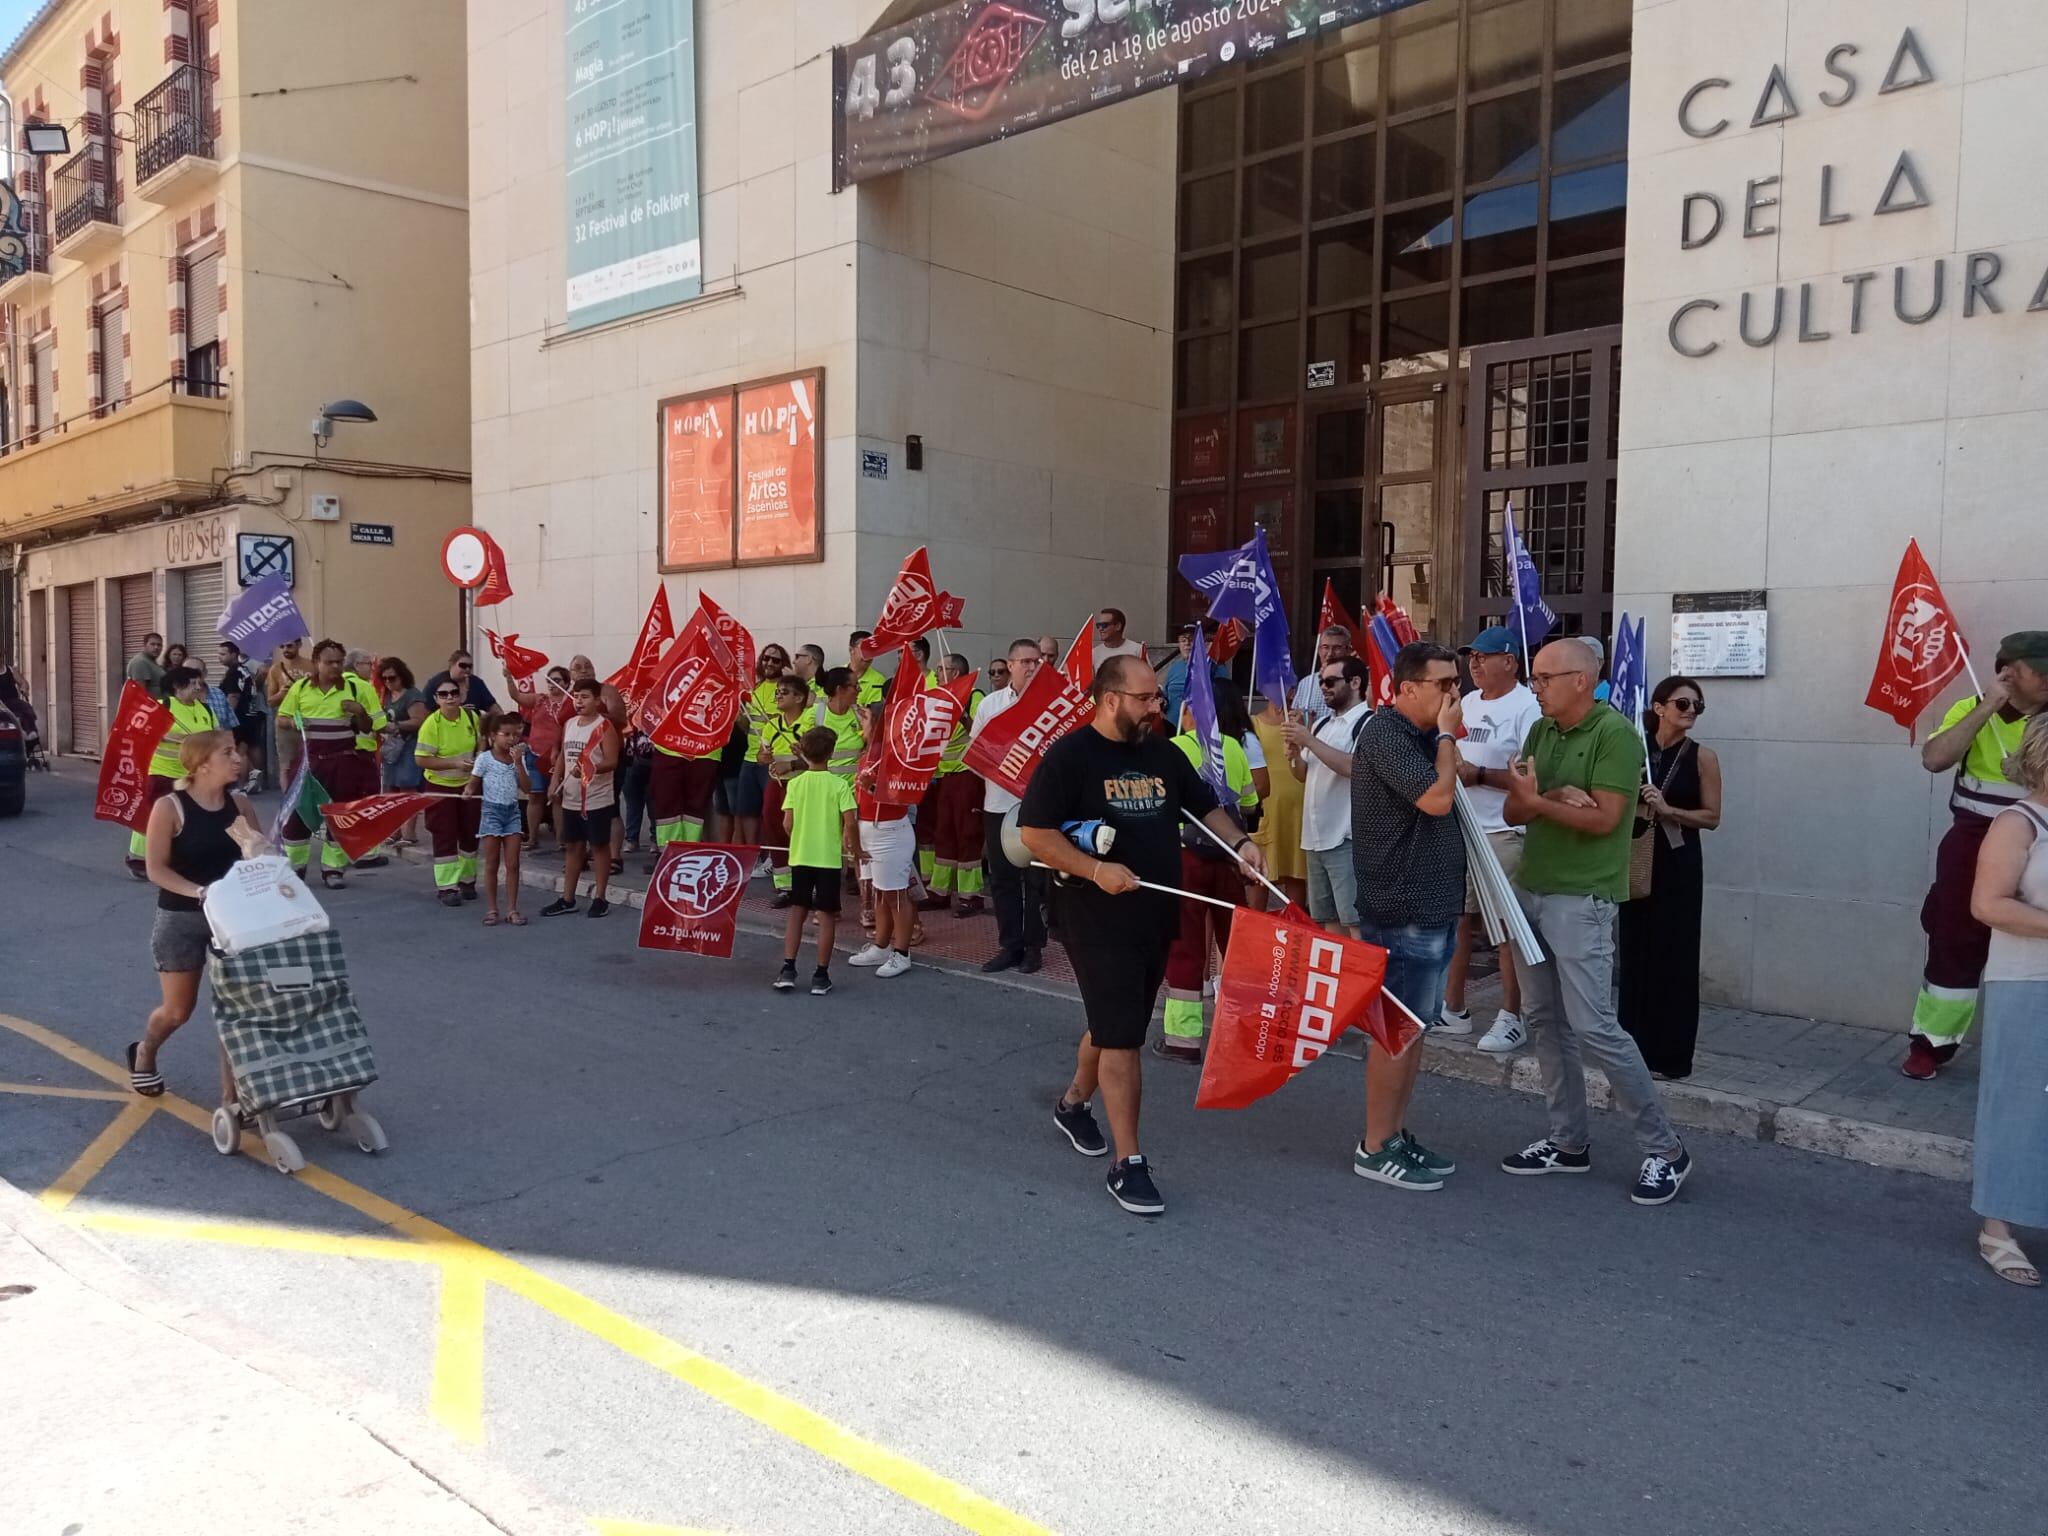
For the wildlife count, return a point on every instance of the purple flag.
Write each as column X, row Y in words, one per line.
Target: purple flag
column 1525, row 587
column 1241, row 585
column 264, row 614
column 1202, row 705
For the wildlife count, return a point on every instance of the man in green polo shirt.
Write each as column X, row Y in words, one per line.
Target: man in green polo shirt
column 1576, row 792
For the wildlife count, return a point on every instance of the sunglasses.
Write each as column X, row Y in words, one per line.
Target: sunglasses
column 447, row 693
column 1336, row 681
column 1687, row 706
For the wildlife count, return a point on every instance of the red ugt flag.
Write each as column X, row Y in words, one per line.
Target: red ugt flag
column 360, row 826
column 1009, row 747
column 1922, row 647
column 915, row 607
column 694, row 702
column 1080, row 663
column 915, row 729
column 693, row 902
column 497, row 582
column 657, row 633
column 1287, row 991
column 139, row 724
column 520, row 661
column 736, row 636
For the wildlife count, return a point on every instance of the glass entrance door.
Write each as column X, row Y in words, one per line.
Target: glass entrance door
column 1376, row 471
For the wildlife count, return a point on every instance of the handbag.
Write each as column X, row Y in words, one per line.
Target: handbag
column 1642, row 847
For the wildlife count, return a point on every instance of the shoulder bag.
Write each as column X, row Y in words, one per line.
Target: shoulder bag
column 1642, row 848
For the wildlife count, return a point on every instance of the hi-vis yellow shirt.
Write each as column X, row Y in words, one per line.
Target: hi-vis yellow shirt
column 441, row 737
column 186, row 720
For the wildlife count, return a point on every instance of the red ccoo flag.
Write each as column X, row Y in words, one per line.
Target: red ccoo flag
column 1286, row 992
column 657, row 632
column 1009, row 746
column 1922, row 647
column 139, row 724
column 1336, row 616
column 497, row 583
column 915, row 607
column 1226, row 642
column 520, row 661
column 1080, row 663
column 358, row 827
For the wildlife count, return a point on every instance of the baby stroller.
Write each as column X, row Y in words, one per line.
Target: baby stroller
column 295, row 1043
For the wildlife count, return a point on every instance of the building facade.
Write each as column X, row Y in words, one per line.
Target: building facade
column 262, row 211
column 1101, row 285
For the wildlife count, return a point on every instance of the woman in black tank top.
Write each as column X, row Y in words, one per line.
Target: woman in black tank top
column 191, row 845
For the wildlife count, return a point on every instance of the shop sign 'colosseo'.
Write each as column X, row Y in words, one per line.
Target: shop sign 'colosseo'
column 1822, row 308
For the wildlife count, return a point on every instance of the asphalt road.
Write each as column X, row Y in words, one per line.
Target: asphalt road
column 860, row 1203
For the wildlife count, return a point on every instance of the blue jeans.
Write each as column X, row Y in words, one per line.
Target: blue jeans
column 1418, row 958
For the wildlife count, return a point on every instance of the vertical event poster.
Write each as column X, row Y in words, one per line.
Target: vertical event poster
column 778, row 478
column 969, row 72
column 631, row 160
column 696, row 482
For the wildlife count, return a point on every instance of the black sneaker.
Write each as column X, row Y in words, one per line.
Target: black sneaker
column 785, row 979
column 1080, row 1127
column 1659, row 1182
column 821, row 982
column 598, row 907
column 561, row 906
column 1546, row 1156
column 1130, row 1186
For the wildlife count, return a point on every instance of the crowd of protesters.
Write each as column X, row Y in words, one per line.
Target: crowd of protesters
column 1331, row 805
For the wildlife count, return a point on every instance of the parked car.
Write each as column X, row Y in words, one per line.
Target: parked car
column 13, row 764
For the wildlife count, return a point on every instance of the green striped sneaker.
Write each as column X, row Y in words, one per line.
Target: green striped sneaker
column 1432, row 1162
column 1391, row 1165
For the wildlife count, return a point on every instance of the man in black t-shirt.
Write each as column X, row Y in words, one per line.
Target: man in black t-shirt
column 1121, row 772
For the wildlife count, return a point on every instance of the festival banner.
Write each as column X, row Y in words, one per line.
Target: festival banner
column 915, row 607
column 359, row 827
column 140, row 722
column 1922, row 649
column 262, row 617
column 520, row 661
column 691, row 709
column 696, row 482
column 916, row 726
column 779, row 515
column 657, row 633
column 1007, row 751
column 1286, row 992
column 966, row 72
column 736, row 636
column 497, row 583
column 693, row 901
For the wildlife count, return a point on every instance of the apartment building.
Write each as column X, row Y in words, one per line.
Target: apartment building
column 255, row 224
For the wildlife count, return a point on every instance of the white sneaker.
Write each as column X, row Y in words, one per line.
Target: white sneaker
column 1454, row 1021
column 762, row 867
column 1507, row 1034
column 895, row 965
column 871, row 955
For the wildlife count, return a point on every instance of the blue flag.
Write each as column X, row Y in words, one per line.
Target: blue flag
column 1241, row 585
column 263, row 617
column 1533, row 618
column 1201, row 702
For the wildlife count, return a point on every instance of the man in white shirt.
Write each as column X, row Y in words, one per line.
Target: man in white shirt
column 1109, row 637
column 1333, row 644
column 1499, row 713
column 1018, row 895
column 1320, row 757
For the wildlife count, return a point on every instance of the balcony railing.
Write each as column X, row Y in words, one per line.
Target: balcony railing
column 83, row 191
column 173, row 121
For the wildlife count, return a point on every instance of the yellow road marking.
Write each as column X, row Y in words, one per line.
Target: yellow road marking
column 641, row 1528
column 235, row 1234
column 457, row 1394
column 45, row 1091
column 945, row 1498
column 98, row 1154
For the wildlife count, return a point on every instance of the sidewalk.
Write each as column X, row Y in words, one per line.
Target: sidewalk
column 1803, row 1083
column 125, row 1412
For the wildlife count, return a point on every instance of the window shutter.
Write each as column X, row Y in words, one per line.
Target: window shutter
column 113, row 364
column 46, row 387
column 202, row 302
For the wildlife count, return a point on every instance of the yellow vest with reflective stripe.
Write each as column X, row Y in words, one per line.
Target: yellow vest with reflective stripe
column 952, row 760
column 441, row 737
column 186, row 720
column 318, row 712
column 760, row 708
column 366, row 695
column 852, row 739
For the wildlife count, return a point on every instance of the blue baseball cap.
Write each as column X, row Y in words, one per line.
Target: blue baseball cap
column 1494, row 640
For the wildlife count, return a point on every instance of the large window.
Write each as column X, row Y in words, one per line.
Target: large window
column 1356, row 214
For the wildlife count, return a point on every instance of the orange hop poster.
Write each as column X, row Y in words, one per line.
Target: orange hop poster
column 696, row 482
column 778, row 436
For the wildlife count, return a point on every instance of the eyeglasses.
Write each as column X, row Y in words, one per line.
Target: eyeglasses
column 1150, row 698
column 1686, row 706
column 1542, row 680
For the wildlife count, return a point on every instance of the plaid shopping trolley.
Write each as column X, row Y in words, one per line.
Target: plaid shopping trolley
column 289, row 1022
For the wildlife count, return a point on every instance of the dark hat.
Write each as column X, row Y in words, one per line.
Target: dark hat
column 2029, row 646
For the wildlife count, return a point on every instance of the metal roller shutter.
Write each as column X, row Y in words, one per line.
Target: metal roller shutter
column 138, row 612
column 45, row 361
column 113, row 361
column 83, row 683
column 205, row 595
column 202, row 302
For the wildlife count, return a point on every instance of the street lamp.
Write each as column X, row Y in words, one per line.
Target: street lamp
column 340, row 410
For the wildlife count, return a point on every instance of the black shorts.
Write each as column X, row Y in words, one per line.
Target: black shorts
column 593, row 826
column 816, row 890
column 249, row 730
column 1118, row 988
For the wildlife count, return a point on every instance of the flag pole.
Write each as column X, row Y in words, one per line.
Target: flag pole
column 1967, row 667
column 1209, row 832
column 1514, row 564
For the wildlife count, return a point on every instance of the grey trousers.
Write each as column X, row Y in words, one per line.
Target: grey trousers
column 1568, row 1005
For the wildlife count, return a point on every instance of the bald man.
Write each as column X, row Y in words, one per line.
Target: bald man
column 1575, row 790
